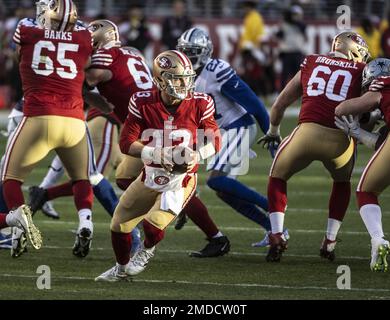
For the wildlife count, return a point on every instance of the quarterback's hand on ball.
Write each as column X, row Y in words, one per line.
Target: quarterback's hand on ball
column 349, row 124
column 271, row 142
column 163, row 156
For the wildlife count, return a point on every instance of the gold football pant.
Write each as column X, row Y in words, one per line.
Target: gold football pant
column 376, row 176
column 310, row 142
column 35, row 137
column 104, row 136
column 139, row 202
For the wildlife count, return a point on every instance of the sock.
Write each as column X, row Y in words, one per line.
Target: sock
column 372, row 218
column 218, row 235
column 248, row 210
column 83, row 195
column 153, row 235
column 277, row 195
column 123, row 184
column 13, row 195
column 332, row 229
column 85, row 214
column 62, row 190
column 3, row 205
column 277, row 221
column 121, row 243
column 231, row 186
column 339, row 200
column 3, row 221
column 198, row 213
column 106, row 195
column 56, row 171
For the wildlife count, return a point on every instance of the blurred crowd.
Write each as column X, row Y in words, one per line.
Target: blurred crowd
column 265, row 65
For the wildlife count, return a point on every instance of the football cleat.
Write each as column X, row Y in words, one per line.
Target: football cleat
column 215, row 248
column 278, row 244
column 380, row 249
column 265, row 242
column 48, row 210
column 37, row 198
column 22, row 219
column 327, row 250
column 83, row 239
column 140, row 260
column 116, row 273
column 18, row 243
column 181, row 221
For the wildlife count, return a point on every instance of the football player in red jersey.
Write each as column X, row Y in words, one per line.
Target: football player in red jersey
column 374, row 179
column 159, row 121
column 52, row 63
column 323, row 82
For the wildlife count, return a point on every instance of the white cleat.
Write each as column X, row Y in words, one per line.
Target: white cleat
column 265, row 242
column 140, row 260
column 19, row 242
column 116, row 273
column 48, row 210
column 380, row 249
column 22, row 219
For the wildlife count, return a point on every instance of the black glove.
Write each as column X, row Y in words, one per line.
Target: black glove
column 271, row 142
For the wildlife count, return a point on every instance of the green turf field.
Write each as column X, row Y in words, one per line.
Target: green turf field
column 242, row 274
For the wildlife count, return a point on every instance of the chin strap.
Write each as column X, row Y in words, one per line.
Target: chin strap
column 338, row 55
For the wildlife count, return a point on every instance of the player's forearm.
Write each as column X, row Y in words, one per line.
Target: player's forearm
column 288, row 96
column 350, row 106
column 135, row 149
column 97, row 101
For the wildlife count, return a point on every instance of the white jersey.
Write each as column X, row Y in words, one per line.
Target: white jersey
column 215, row 73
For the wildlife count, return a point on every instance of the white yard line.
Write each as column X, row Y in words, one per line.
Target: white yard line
column 234, row 253
column 226, row 228
column 206, row 283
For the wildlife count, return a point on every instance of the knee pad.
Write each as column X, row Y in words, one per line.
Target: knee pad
column 160, row 219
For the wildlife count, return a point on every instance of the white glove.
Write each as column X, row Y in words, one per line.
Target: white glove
column 349, row 124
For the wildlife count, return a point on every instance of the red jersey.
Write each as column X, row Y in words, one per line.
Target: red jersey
column 52, row 67
column 382, row 84
column 130, row 74
column 326, row 82
column 147, row 111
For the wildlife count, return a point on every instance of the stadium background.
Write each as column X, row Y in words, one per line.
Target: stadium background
column 243, row 274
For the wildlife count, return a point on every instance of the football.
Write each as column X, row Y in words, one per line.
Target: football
column 181, row 156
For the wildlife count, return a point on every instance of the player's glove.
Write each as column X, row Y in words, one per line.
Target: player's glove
column 271, row 141
column 349, row 124
column 157, row 155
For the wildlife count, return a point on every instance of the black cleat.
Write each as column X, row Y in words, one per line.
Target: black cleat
column 37, row 198
column 215, row 248
column 83, row 243
column 278, row 244
column 181, row 221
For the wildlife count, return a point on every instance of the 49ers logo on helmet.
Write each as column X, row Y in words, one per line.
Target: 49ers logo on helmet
column 164, row 63
column 161, row 180
column 359, row 40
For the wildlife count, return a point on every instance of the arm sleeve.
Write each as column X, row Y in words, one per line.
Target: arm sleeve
column 17, row 35
column 237, row 90
column 209, row 125
column 132, row 129
column 102, row 60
